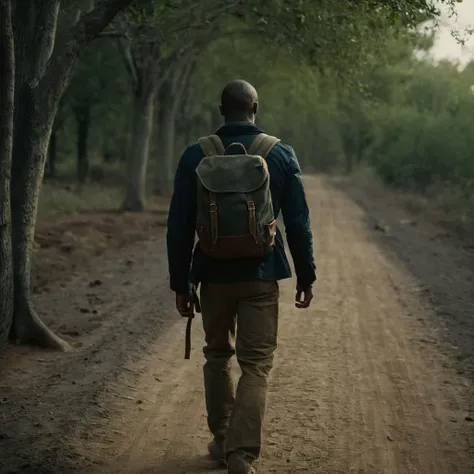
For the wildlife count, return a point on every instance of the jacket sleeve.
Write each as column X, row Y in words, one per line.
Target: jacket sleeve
column 181, row 224
column 296, row 218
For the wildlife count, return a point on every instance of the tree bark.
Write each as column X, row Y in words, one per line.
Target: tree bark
column 166, row 141
column 41, row 77
column 170, row 98
column 33, row 127
column 135, row 198
column 82, row 113
column 52, row 154
column 7, row 87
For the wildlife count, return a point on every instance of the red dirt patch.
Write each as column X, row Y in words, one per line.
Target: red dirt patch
column 67, row 245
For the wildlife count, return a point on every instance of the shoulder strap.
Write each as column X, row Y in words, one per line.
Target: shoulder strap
column 211, row 145
column 262, row 145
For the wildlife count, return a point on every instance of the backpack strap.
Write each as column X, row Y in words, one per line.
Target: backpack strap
column 262, row 145
column 211, row 145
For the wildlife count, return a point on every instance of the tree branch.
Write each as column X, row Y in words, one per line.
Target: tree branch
column 94, row 22
column 34, row 26
column 60, row 66
column 112, row 34
column 127, row 56
column 207, row 21
column 177, row 63
column 44, row 43
column 184, row 80
column 168, row 71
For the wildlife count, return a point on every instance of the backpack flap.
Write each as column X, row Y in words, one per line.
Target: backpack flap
column 232, row 173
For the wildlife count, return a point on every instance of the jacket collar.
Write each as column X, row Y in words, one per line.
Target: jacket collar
column 238, row 128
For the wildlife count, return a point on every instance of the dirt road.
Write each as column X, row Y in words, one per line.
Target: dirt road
column 364, row 382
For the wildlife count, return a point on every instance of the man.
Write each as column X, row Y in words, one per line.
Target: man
column 242, row 292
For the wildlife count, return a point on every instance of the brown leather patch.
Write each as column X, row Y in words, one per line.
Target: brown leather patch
column 241, row 246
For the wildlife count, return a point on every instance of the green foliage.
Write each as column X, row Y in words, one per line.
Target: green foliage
column 410, row 119
column 338, row 79
column 425, row 135
column 101, row 84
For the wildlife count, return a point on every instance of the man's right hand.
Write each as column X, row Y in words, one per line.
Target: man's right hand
column 188, row 303
column 185, row 304
column 303, row 297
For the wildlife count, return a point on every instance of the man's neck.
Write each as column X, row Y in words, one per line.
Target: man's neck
column 234, row 120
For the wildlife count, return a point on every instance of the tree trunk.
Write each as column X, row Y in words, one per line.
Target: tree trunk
column 7, row 87
column 52, row 155
column 189, row 135
column 349, row 162
column 166, row 142
column 41, row 77
column 135, row 198
column 82, row 113
column 187, row 129
column 171, row 96
column 33, row 125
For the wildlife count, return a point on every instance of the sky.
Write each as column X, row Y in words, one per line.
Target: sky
column 446, row 46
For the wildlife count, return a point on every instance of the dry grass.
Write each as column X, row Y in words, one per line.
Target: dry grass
column 442, row 205
column 59, row 199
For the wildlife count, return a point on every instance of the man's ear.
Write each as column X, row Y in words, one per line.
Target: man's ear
column 221, row 110
column 255, row 108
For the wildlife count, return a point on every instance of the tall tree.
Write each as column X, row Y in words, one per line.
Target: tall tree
column 175, row 91
column 155, row 35
column 42, row 68
column 142, row 61
column 7, row 85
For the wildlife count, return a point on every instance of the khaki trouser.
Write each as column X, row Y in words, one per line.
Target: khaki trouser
column 252, row 306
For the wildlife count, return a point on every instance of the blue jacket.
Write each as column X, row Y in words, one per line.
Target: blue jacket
column 288, row 197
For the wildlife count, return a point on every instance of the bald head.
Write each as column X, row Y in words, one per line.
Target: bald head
column 239, row 101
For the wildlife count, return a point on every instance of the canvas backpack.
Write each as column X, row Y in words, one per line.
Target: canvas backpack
column 235, row 216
